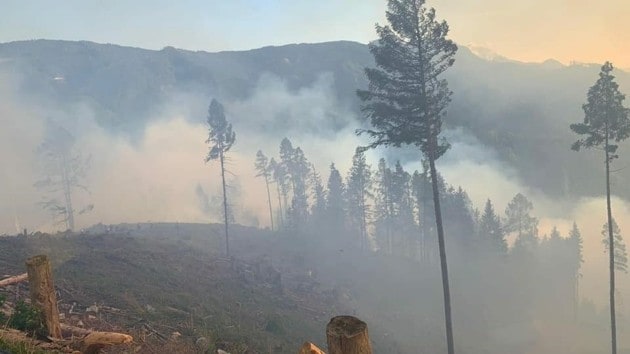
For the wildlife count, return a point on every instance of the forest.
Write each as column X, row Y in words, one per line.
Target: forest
column 456, row 202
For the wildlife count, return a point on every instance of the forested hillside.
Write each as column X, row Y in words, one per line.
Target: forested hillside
column 520, row 110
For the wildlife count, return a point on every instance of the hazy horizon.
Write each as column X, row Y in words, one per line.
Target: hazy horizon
column 564, row 30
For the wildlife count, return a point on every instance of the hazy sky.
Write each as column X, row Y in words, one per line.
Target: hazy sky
column 533, row 30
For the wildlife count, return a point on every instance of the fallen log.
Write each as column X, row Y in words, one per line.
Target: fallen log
column 14, row 279
column 92, row 342
column 310, row 348
column 95, row 341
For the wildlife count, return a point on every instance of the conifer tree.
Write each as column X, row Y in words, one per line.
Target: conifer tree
column 262, row 169
column 220, row 138
column 406, row 99
column 358, row 191
column 606, row 123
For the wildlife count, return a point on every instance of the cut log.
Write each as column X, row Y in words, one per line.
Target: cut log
column 74, row 331
column 95, row 341
column 14, row 279
column 92, row 341
column 42, row 292
column 310, row 348
column 348, row 335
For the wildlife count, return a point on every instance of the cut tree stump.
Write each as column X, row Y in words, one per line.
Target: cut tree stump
column 310, row 348
column 14, row 280
column 42, row 292
column 348, row 335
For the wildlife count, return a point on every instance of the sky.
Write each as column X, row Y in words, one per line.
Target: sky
column 532, row 31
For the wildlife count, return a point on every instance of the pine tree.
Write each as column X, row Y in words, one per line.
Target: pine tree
column 518, row 218
column 621, row 256
column 606, row 122
column 279, row 177
column 318, row 209
column 262, row 169
column 299, row 171
column 576, row 260
column 335, row 208
column 421, row 191
column 406, row 99
column 490, row 230
column 402, row 210
column 220, row 138
column 383, row 208
column 359, row 184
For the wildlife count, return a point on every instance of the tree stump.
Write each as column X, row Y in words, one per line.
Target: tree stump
column 42, row 292
column 348, row 335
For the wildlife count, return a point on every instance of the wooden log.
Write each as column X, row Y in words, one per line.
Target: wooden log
column 95, row 341
column 42, row 292
column 310, row 348
column 92, row 341
column 74, row 331
column 14, row 279
column 348, row 335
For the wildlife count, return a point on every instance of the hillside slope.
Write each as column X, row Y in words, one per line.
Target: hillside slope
column 520, row 110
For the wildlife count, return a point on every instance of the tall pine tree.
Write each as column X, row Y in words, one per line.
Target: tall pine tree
column 606, row 122
column 359, row 184
column 220, row 138
column 262, row 169
column 406, row 100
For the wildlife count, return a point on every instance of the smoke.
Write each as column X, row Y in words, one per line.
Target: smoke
column 478, row 170
column 161, row 175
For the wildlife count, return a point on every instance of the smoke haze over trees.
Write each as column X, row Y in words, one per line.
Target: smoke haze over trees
column 523, row 214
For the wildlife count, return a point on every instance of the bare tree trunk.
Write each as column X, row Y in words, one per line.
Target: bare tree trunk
column 225, row 208
column 348, row 335
column 611, row 251
column 442, row 246
column 364, row 233
column 269, row 200
column 67, row 191
column 43, row 294
column 280, row 218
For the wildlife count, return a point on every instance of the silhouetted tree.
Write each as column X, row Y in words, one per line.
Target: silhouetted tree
column 517, row 215
column 220, row 138
column 359, row 184
column 318, row 209
column 490, row 230
column 402, row 204
column 576, row 260
column 383, row 206
column 605, row 123
column 406, row 99
column 335, row 208
column 262, row 169
column 299, row 170
column 64, row 171
column 457, row 208
column 282, row 187
column 621, row 256
column 422, row 193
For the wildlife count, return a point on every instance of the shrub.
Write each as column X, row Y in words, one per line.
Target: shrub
column 26, row 318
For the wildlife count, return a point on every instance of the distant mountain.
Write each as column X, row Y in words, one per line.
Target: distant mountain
column 521, row 110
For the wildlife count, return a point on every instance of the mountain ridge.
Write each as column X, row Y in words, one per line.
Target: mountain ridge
column 521, row 110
